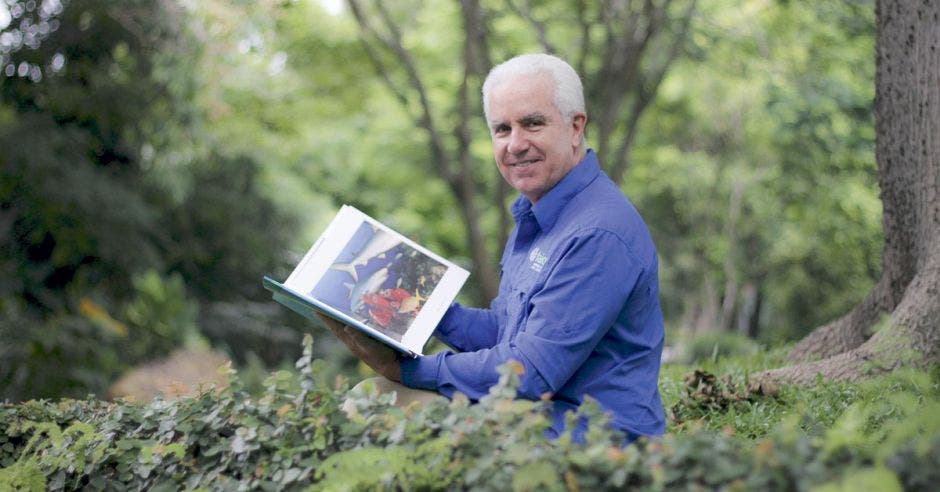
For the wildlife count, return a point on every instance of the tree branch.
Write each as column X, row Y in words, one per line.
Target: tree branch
column 526, row 13
column 425, row 119
column 646, row 91
column 585, row 41
column 376, row 60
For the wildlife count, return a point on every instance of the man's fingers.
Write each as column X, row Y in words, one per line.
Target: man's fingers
column 354, row 340
column 331, row 323
column 380, row 358
column 362, row 342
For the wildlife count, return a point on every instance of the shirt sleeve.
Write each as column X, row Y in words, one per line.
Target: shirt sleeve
column 581, row 298
column 468, row 329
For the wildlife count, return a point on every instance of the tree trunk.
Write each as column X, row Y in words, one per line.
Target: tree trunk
column 486, row 275
column 730, row 297
column 749, row 314
column 704, row 318
column 907, row 122
column 910, row 338
column 845, row 333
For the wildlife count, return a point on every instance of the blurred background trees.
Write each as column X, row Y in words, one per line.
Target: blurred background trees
column 159, row 157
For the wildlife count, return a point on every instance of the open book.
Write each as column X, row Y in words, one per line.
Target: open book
column 372, row 278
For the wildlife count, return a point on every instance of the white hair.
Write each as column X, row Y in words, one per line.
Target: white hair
column 569, row 93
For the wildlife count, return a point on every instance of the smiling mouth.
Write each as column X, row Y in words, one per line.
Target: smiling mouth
column 524, row 164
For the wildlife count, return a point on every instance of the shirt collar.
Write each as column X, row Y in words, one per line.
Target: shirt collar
column 549, row 207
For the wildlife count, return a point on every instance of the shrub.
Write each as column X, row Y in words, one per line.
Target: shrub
column 295, row 436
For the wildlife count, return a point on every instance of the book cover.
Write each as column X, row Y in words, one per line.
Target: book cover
column 369, row 276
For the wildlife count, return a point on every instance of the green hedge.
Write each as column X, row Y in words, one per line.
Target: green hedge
column 294, row 436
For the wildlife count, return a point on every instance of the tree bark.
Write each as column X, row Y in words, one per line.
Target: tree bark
column 749, row 313
column 845, row 333
column 910, row 338
column 898, row 323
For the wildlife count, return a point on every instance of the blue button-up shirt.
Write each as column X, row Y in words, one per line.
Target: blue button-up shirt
column 578, row 306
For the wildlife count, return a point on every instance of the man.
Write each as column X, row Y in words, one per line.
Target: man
column 578, row 302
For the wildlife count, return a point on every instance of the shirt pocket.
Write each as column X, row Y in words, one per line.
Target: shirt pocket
column 520, row 299
column 516, row 310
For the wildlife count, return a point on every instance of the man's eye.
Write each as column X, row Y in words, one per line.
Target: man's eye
column 501, row 129
column 533, row 123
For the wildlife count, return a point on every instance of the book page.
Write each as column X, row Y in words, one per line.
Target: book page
column 379, row 278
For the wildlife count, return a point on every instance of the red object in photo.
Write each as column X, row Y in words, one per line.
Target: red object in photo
column 382, row 316
column 376, row 300
column 398, row 294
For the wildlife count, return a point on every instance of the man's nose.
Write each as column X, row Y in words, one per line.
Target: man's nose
column 518, row 142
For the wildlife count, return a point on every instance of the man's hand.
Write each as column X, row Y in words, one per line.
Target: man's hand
column 381, row 358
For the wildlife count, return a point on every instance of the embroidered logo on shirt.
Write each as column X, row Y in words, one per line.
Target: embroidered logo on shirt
column 537, row 259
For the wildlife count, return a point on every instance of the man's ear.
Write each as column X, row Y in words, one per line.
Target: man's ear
column 578, row 122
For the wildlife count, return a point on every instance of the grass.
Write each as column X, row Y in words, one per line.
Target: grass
column 876, row 407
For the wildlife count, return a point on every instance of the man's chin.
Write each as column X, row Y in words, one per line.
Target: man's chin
column 522, row 186
column 531, row 191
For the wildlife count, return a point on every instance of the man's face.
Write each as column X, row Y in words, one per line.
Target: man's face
column 534, row 144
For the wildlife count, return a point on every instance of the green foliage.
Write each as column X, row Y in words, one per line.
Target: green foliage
column 66, row 355
column 226, row 233
column 294, row 435
column 166, row 137
column 79, row 214
column 711, row 346
column 222, row 237
column 88, row 345
column 161, row 317
column 755, row 168
column 25, row 476
column 112, row 197
column 845, row 415
column 70, row 224
column 705, row 395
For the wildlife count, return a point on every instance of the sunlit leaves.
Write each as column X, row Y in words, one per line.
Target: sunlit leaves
column 25, row 25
